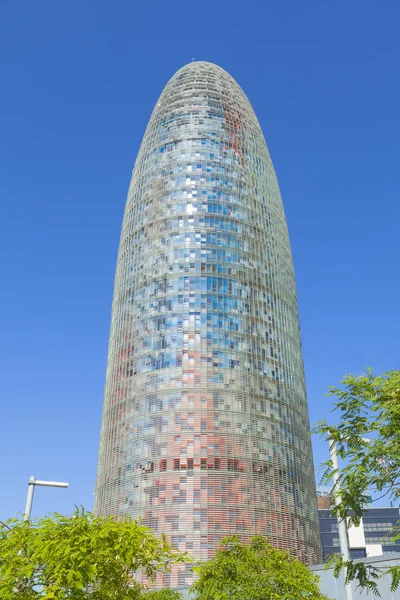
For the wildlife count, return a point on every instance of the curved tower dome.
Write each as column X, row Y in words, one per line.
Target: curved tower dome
column 205, row 428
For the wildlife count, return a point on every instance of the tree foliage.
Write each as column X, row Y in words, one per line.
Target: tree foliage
column 165, row 594
column 256, row 571
column 80, row 557
column 367, row 437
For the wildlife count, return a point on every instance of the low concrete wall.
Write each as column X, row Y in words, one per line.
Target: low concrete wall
column 334, row 588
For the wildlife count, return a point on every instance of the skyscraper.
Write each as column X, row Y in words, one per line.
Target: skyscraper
column 205, row 429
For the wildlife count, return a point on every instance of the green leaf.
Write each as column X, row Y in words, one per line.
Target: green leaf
column 257, row 571
column 78, row 557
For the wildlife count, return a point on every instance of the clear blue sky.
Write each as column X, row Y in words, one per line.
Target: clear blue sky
column 78, row 83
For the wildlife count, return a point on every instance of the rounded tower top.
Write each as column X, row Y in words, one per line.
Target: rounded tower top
column 203, row 100
column 208, row 73
column 197, row 65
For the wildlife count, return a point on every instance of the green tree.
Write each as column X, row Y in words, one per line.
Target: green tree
column 165, row 594
column 367, row 437
column 256, row 571
column 81, row 557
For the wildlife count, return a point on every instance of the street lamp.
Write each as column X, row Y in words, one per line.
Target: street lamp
column 342, row 525
column 31, row 488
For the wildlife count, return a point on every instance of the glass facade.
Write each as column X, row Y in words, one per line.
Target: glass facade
column 205, row 427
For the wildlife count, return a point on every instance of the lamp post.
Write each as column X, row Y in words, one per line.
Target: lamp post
column 32, row 483
column 342, row 526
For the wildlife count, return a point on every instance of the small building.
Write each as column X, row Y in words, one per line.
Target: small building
column 373, row 537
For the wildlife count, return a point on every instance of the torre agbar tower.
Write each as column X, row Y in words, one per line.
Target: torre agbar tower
column 205, row 429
